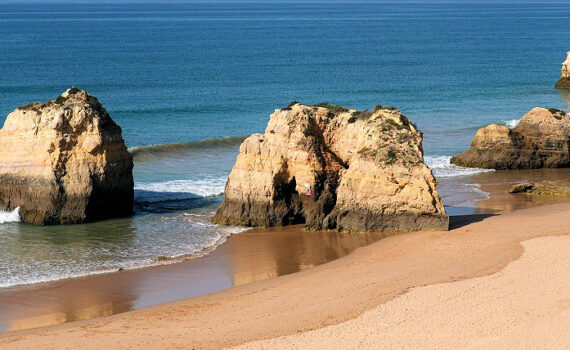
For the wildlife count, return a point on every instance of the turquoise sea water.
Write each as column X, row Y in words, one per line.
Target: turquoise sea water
column 194, row 78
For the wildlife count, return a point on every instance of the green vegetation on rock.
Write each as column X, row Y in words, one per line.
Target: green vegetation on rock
column 73, row 91
column 336, row 109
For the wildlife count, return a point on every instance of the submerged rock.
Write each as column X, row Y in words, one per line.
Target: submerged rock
column 564, row 82
column 334, row 168
column 540, row 140
column 64, row 161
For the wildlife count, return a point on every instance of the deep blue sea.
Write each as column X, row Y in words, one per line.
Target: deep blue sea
column 196, row 77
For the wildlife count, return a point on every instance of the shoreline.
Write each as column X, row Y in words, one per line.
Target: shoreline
column 160, row 261
column 250, row 256
column 175, row 242
column 481, row 181
column 239, row 260
column 275, row 306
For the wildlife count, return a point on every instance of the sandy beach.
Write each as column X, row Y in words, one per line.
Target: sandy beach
column 525, row 305
column 248, row 257
column 284, row 175
column 464, row 275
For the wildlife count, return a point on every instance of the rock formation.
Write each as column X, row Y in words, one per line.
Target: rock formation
column 540, row 140
column 64, row 161
column 564, row 82
column 542, row 188
column 521, row 188
column 334, row 168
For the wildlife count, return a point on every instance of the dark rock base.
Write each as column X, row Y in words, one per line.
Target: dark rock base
column 512, row 159
column 355, row 220
column 365, row 221
column 563, row 83
column 44, row 202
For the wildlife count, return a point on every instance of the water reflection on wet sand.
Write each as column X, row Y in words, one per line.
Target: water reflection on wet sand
column 497, row 183
column 247, row 257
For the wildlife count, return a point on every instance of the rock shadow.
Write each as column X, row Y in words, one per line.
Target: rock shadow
column 459, row 221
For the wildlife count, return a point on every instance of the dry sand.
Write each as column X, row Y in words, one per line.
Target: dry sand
column 526, row 305
column 369, row 299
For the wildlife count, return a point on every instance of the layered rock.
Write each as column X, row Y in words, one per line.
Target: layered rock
column 334, row 168
column 64, row 161
column 564, row 82
column 540, row 140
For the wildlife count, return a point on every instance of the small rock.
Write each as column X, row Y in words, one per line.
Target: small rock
column 521, row 188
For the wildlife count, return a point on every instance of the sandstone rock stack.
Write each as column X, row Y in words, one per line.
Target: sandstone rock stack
column 564, row 82
column 540, row 140
column 64, row 161
column 334, row 168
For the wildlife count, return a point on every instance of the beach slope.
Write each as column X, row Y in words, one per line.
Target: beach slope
column 370, row 293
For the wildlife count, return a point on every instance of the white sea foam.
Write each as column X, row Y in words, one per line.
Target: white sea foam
column 476, row 189
column 511, row 123
column 180, row 189
column 198, row 247
column 460, row 198
column 442, row 167
column 10, row 216
column 14, row 280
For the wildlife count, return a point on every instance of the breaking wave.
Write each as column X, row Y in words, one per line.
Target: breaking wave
column 179, row 189
column 442, row 167
column 510, row 123
column 10, row 216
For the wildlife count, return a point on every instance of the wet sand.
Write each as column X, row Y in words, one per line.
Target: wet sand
column 260, row 255
column 245, row 258
column 325, row 295
column 496, row 184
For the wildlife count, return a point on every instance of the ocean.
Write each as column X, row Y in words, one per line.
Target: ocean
column 187, row 82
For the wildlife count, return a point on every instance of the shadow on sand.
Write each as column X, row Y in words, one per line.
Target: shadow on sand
column 458, row 221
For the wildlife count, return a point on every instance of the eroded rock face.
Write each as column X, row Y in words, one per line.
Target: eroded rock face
column 334, row 168
column 65, row 161
column 540, row 140
column 564, row 82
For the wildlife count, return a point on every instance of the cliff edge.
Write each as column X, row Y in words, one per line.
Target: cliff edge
column 540, row 140
column 330, row 167
column 64, row 161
